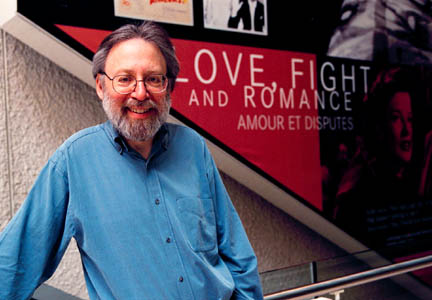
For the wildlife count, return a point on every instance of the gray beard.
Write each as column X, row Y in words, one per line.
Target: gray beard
column 137, row 130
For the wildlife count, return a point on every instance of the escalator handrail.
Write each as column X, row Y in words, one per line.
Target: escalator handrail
column 328, row 286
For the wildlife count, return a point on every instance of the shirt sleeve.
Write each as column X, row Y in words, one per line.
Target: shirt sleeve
column 234, row 247
column 36, row 238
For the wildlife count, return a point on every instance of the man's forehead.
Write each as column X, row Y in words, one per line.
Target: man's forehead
column 134, row 51
column 131, row 44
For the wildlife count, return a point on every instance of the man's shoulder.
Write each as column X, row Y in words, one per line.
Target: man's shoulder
column 83, row 135
column 81, row 138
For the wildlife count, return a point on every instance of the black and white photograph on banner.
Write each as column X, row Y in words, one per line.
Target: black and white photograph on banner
column 248, row 16
column 395, row 31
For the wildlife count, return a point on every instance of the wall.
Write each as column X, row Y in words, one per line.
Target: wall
column 41, row 105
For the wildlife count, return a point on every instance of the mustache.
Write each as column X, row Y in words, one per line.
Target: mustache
column 136, row 103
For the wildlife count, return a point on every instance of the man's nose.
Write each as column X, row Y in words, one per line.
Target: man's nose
column 140, row 92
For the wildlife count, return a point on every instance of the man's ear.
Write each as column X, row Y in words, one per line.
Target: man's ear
column 99, row 88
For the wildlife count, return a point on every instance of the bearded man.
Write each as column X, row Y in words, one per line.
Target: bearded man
column 142, row 198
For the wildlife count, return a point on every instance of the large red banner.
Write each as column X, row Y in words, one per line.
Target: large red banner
column 260, row 103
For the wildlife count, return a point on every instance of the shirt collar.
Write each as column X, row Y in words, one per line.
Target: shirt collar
column 161, row 139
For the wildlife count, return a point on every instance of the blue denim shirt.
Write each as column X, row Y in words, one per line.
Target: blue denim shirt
column 161, row 228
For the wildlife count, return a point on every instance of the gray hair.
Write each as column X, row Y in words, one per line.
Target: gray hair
column 149, row 32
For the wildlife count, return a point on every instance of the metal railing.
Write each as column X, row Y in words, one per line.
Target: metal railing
column 333, row 285
column 46, row 292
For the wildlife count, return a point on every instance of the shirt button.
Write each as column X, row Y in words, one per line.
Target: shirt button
column 181, row 279
column 157, row 201
column 168, row 240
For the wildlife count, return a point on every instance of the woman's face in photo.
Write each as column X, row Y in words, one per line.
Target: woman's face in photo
column 399, row 129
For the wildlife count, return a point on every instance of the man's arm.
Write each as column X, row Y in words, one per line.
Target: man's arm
column 234, row 247
column 34, row 241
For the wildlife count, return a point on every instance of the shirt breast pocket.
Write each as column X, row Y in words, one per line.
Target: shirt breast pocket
column 198, row 222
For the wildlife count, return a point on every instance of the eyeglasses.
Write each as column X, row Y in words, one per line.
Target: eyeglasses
column 126, row 84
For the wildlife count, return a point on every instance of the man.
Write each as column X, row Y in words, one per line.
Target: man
column 142, row 198
column 249, row 13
